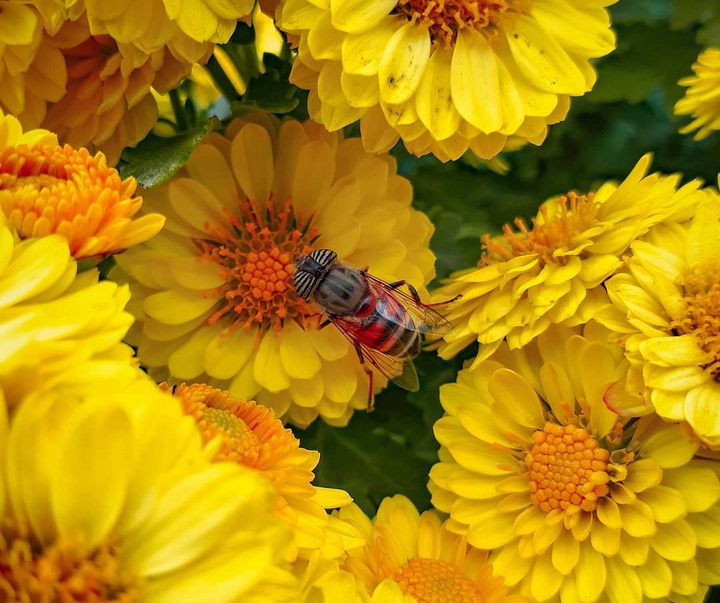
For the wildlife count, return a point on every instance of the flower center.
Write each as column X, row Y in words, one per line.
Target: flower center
column 568, row 469
column 445, row 18
column 436, row 581
column 701, row 286
column 63, row 571
column 257, row 256
column 250, row 434
column 550, row 232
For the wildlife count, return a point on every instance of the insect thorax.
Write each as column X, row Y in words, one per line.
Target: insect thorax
column 342, row 290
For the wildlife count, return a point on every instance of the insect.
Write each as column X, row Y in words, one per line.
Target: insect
column 384, row 324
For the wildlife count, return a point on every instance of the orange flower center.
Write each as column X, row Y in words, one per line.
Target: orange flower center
column 445, row 18
column 46, row 189
column 701, row 287
column 568, row 469
column 257, row 254
column 575, row 214
column 436, row 581
column 250, row 434
column 63, row 571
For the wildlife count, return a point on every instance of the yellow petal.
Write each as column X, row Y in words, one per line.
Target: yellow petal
column 227, row 353
column 666, row 503
column 176, row 307
column 565, row 552
column 361, row 53
column 637, row 520
column 518, row 397
column 655, row 576
column 324, row 41
column 590, row 574
column 699, row 486
column 675, row 541
column 435, row 104
column 267, row 368
column 665, row 444
column 703, row 246
column 354, row 16
column 545, row 580
column 702, row 411
column 90, row 479
column 360, row 90
column 403, row 64
column 542, row 60
column 623, row 583
column 252, row 163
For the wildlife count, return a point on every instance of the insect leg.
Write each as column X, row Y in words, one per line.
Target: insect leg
column 416, row 295
column 369, row 373
column 324, row 324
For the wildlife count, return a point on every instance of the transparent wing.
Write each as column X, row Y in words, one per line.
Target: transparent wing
column 424, row 318
column 401, row 371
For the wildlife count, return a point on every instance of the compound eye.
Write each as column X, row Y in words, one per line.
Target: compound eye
column 304, row 283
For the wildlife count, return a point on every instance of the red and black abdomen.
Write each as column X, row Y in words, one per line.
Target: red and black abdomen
column 389, row 329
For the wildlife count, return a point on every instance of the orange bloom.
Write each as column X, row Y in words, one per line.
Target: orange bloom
column 48, row 189
column 241, row 431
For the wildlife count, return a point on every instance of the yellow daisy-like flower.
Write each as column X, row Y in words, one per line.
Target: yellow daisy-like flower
column 666, row 313
column 55, row 326
column 702, row 97
column 213, row 292
column 244, row 432
column 551, row 273
column 107, row 495
column 12, row 135
column 52, row 189
column 445, row 76
column 576, row 502
column 412, row 558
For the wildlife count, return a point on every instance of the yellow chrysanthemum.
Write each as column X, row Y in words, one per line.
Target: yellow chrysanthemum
column 107, row 495
column 551, row 273
column 213, row 291
column 576, row 502
column 244, row 432
column 702, row 97
column 412, row 558
column 666, row 313
column 56, row 326
column 52, row 189
column 445, row 76
column 12, row 135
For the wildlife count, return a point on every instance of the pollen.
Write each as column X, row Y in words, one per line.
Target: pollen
column 257, row 255
column 63, row 571
column 436, row 581
column 445, row 18
column 701, row 289
column 58, row 189
column 249, row 433
column 568, row 469
column 551, row 233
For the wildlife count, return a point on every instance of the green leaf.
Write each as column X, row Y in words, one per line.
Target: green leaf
column 689, row 12
column 156, row 159
column 270, row 91
column 640, row 11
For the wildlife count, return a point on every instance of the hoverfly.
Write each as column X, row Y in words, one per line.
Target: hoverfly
column 384, row 324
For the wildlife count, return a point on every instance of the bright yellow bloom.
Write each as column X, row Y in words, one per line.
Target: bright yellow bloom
column 213, row 292
column 12, row 135
column 411, row 558
column 53, row 189
column 666, row 312
column 552, row 272
column 576, row 502
column 702, row 97
column 107, row 495
column 243, row 432
column 445, row 76
column 55, row 326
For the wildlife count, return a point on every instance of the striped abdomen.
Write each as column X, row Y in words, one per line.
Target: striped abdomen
column 389, row 329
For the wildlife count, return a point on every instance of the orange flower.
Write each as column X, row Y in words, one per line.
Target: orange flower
column 47, row 189
column 241, row 431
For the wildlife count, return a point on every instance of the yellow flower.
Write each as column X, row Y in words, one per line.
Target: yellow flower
column 12, row 135
column 52, row 189
column 108, row 495
column 552, row 272
column 243, row 432
column 213, row 292
column 445, row 76
column 702, row 97
column 666, row 312
column 55, row 326
column 577, row 503
column 411, row 558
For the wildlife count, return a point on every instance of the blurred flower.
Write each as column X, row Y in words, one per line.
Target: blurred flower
column 551, row 273
column 53, row 189
column 445, row 76
column 12, row 135
column 243, row 432
column 666, row 313
column 213, row 292
column 107, row 495
column 576, row 502
column 702, row 97
column 55, row 326
column 412, row 557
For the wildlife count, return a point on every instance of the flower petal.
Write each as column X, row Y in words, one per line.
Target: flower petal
column 403, row 64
